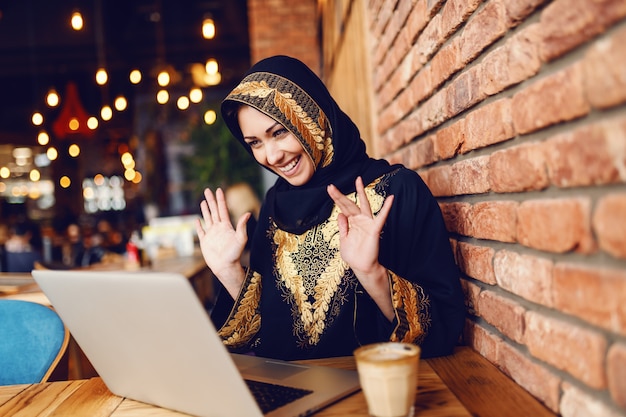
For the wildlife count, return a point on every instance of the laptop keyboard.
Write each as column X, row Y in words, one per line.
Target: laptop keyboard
column 271, row 396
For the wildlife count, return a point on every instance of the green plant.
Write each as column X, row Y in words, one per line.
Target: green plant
column 218, row 160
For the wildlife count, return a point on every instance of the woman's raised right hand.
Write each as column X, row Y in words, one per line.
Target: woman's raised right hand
column 220, row 243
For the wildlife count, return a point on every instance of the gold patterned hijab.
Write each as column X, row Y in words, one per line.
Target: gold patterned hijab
column 286, row 90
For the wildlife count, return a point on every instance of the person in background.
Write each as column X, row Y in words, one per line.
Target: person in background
column 23, row 247
column 240, row 199
column 348, row 250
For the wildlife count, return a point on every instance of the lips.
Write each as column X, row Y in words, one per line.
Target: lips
column 290, row 166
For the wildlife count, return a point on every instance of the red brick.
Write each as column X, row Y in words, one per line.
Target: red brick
column 605, row 78
column 449, row 139
column 456, row 12
column 432, row 113
column 476, row 262
column 471, row 292
column 517, row 60
column 429, row 40
column 569, row 23
column 482, row 341
column 455, row 217
column 578, row 403
column 484, row 28
column 504, row 314
column 445, row 63
column 556, row 98
column 520, row 168
column 487, row 125
column 609, row 223
column 463, row 92
column 595, row 295
column 470, row 176
column 591, row 157
column 494, row 220
column 524, row 275
column 518, row 10
column 556, row 225
column 534, row 378
column 566, row 346
column 421, row 87
column 616, row 373
column 420, row 153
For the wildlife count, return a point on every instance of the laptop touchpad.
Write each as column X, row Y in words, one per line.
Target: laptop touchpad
column 274, row 370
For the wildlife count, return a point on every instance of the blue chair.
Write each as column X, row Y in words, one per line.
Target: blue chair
column 32, row 341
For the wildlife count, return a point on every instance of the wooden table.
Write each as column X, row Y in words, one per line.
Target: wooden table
column 91, row 398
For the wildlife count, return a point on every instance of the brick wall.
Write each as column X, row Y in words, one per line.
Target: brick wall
column 284, row 27
column 514, row 113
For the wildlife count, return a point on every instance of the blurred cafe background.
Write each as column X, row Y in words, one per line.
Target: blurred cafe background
column 109, row 115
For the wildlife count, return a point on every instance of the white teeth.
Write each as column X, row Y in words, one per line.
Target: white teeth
column 289, row 166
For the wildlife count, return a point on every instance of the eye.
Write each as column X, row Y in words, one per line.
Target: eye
column 253, row 143
column 280, row 132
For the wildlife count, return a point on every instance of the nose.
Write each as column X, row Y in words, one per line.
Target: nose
column 273, row 153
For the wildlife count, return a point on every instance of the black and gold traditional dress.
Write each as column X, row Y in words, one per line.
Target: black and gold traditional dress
column 300, row 299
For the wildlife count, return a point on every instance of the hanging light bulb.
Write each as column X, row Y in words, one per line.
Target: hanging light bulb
column 211, row 66
column 120, row 103
column 163, row 78
column 101, row 76
column 195, row 95
column 77, row 20
column 183, row 102
column 135, row 76
column 208, row 28
column 43, row 138
column 52, row 98
column 37, row 119
column 106, row 113
column 163, row 96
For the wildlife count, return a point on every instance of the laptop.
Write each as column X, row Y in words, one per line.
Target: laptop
column 150, row 339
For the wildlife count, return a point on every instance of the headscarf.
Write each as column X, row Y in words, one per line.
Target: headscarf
column 286, row 90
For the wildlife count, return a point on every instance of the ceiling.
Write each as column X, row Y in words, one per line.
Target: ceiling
column 39, row 51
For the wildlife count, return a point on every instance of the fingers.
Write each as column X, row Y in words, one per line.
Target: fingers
column 214, row 208
column 365, row 203
column 348, row 207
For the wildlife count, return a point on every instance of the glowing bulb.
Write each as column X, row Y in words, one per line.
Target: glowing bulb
column 74, row 124
column 52, row 153
column 135, row 76
column 65, row 181
column 52, row 98
column 208, row 28
column 92, row 123
column 106, row 113
column 210, row 117
column 121, row 103
column 34, row 175
column 101, row 76
column 77, row 21
column 211, row 67
column 43, row 138
column 37, row 119
column 195, row 95
column 163, row 78
column 163, row 96
column 183, row 102
column 74, row 150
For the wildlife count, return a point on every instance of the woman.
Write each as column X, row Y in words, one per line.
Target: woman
column 348, row 250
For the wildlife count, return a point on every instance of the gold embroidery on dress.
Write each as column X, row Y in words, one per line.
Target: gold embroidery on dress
column 412, row 309
column 246, row 320
column 313, row 132
column 310, row 272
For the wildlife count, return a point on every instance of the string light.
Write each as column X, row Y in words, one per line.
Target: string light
column 77, row 21
column 101, row 76
column 208, row 28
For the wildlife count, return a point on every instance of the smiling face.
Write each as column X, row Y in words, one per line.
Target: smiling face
column 275, row 147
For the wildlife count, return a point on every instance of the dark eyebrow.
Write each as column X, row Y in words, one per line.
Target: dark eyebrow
column 269, row 129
